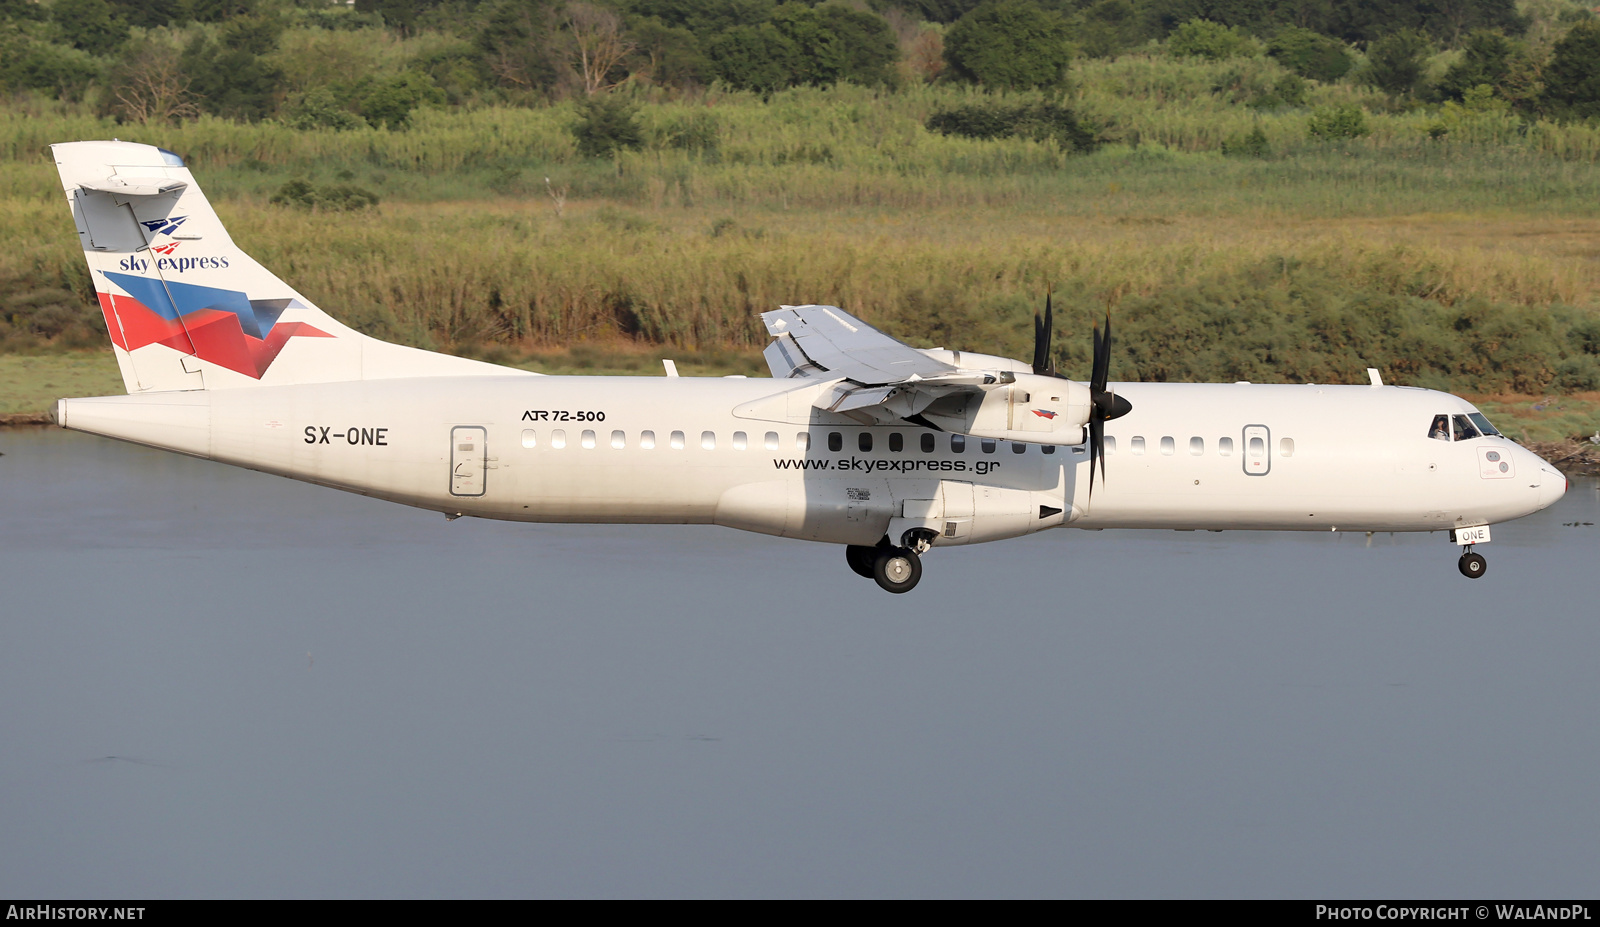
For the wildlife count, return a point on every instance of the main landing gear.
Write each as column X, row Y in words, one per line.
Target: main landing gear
column 1472, row 565
column 895, row 569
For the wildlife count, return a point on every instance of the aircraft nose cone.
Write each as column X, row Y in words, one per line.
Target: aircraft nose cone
column 1552, row 486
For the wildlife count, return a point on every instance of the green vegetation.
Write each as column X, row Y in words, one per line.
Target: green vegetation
column 1262, row 191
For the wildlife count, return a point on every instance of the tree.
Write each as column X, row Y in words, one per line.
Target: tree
column 606, row 124
column 1395, row 62
column 517, row 42
column 1109, row 27
column 1310, row 54
column 668, row 55
column 1200, row 38
column 1572, row 78
column 758, row 58
column 1009, row 44
column 598, row 46
column 149, row 86
column 92, row 25
column 1486, row 61
column 229, row 77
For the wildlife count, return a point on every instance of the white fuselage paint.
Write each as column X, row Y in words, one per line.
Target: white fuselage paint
column 1361, row 459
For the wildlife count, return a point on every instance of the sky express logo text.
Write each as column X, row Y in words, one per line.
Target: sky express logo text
column 902, row 465
column 175, row 264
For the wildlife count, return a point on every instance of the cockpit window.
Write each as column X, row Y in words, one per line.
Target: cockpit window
column 1482, row 423
column 1464, row 428
column 1440, row 428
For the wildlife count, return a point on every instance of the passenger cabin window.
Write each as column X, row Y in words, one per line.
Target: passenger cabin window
column 897, row 442
column 771, row 441
column 1286, row 447
column 1464, row 428
column 802, row 442
column 1136, row 446
column 864, row 441
column 1111, row 445
column 588, row 439
column 1225, row 447
column 1048, row 448
column 740, row 441
column 958, row 444
column 677, row 440
column 1168, row 446
column 1440, row 429
column 708, row 440
column 619, row 440
column 987, row 444
column 927, row 442
column 1257, row 447
column 1197, row 446
column 647, row 440
column 529, row 438
column 1019, row 447
column 558, row 438
column 835, row 441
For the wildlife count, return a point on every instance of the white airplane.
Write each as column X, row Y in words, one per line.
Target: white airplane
column 859, row 439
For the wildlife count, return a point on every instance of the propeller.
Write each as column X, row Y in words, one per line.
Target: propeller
column 1104, row 405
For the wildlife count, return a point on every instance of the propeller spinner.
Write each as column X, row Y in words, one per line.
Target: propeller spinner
column 1104, row 405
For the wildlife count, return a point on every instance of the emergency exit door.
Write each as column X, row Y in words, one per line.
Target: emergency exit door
column 469, row 459
column 1257, row 450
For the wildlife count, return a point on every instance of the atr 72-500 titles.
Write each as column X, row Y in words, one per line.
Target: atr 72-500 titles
column 858, row 439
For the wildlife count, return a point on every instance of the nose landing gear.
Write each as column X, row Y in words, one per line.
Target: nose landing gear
column 1472, row 565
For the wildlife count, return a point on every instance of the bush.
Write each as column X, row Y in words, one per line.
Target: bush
column 1288, row 90
column 1009, row 44
column 605, row 125
column 388, row 102
column 1251, row 145
column 1201, row 38
column 1332, row 123
column 1310, row 54
column 1039, row 121
column 303, row 194
column 321, row 109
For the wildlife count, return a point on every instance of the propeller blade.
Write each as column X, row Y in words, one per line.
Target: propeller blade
column 1042, row 330
column 1102, row 357
column 1097, row 448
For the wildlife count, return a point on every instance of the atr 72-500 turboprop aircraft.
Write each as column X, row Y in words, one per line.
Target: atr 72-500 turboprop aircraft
column 859, row 440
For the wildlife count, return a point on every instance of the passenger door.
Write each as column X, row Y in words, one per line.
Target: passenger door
column 469, row 460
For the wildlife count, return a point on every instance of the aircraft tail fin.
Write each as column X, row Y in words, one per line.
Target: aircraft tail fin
column 186, row 308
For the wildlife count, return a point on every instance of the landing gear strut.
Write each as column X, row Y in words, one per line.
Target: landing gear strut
column 1472, row 565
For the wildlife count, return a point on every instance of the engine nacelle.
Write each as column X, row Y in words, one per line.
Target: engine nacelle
column 1033, row 408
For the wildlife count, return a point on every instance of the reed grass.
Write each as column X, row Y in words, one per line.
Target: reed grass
column 840, row 196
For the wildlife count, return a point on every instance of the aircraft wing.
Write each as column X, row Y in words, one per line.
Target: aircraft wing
column 876, row 379
column 816, row 340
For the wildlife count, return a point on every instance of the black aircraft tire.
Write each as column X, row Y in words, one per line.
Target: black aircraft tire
column 1473, row 566
column 897, row 569
column 861, row 559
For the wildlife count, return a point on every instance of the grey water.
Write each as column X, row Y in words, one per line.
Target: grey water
column 217, row 683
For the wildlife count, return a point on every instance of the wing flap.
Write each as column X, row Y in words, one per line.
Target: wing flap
column 834, row 341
